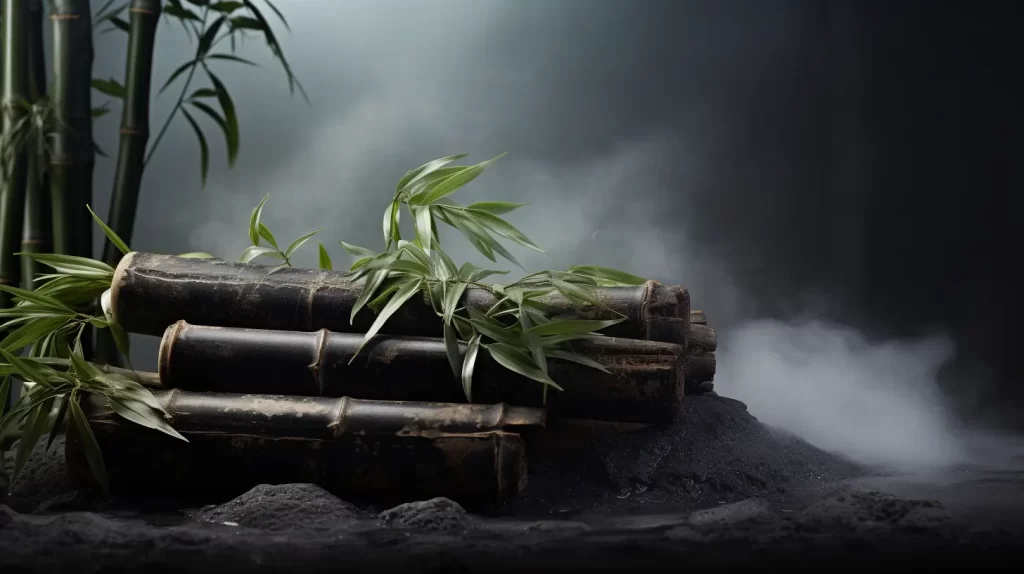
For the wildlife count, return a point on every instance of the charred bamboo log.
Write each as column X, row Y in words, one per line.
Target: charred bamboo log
column 702, row 337
column 644, row 382
column 700, row 368
column 151, row 292
column 378, row 449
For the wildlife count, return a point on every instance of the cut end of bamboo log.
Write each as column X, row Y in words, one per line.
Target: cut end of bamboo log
column 697, row 317
column 116, row 307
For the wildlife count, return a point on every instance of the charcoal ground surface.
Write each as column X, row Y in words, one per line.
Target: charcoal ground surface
column 715, row 489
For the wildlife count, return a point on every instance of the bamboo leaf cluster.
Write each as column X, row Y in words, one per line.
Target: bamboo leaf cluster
column 519, row 331
column 49, row 322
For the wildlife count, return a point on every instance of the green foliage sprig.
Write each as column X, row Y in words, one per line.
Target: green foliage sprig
column 49, row 321
column 208, row 23
column 520, row 331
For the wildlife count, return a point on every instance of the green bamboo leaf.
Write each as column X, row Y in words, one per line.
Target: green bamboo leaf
column 493, row 328
column 203, row 93
column 35, row 297
column 71, row 263
column 232, row 58
column 325, row 258
column 299, row 242
column 61, row 413
column 99, row 112
column 5, row 394
column 143, row 415
column 254, row 221
column 423, row 226
column 226, row 7
column 373, row 282
column 393, row 264
column 180, row 12
column 204, row 148
column 119, row 24
column 30, row 333
column 357, row 251
column 468, row 364
column 110, row 87
column 519, row 362
column 245, row 23
column 451, row 348
column 383, row 297
column 614, row 276
column 496, row 207
column 571, row 327
column 416, row 191
column 576, row 294
column 451, row 300
column 482, row 243
column 206, row 40
column 120, row 337
column 275, row 49
column 411, row 248
column 266, row 234
column 501, row 227
column 230, row 117
column 254, row 251
column 575, row 358
column 424, row 170
column 403, row 294
column 452, row 184
column 27, row 368
column 33, row 430
column 178, row 72
column 79, row 426
column 109, row 233
column 280, row 16
column 125, row 388
column 392, row 217
column 197, row 255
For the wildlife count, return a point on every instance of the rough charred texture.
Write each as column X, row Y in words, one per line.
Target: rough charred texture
column 326, row 418
column 220, row 455
column 697, row 317
column 700, row 367
column 702, row 337
column 151, row 292
column 644, row 382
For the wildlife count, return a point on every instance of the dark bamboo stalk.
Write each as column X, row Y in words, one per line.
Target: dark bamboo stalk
column 38, row 236
column 14, row 157
column 145, row 15
column 73, row 153
column 644, row 382
column 151, row 292
column 412, row 450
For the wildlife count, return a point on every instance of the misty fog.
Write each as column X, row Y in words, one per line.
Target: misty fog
column 677, row 140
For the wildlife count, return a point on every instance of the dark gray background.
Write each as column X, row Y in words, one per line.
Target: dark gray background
column 828, row 177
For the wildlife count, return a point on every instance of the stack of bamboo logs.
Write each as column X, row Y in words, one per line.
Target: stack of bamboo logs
column 256, row 369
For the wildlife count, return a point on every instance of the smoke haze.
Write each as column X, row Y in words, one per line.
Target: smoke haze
column 683, row 141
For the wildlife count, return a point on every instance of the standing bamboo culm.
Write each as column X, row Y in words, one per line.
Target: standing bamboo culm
column 73, row 154
column 131, row 153
column 145, row 15
column 38, row 225
column 14, row 156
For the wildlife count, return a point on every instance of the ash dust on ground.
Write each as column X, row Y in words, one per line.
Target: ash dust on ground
column 716, row 489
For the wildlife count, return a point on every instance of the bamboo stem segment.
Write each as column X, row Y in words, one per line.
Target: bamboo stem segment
column 72, row 154
column 144, row 16
column 378, row 449
column 644, row 382
column 38, row 234
column 14, row 105
column 151, row 292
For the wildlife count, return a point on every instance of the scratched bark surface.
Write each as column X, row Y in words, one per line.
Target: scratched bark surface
column 644, row 383
column 239, row 442
column 152, row 291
